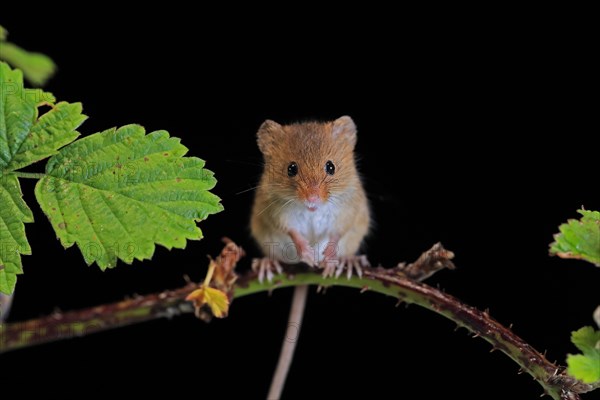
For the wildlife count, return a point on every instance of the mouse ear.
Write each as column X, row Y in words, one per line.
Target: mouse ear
column 266, row 135
column 344, row 129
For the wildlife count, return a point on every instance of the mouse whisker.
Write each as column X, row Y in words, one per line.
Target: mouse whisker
column 248, row 190
column 242, row 162
column 270, row 204
column 333, row 201
column 284, row 205
column 258, row 186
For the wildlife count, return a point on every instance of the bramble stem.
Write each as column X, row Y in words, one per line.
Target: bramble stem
column 400, row 283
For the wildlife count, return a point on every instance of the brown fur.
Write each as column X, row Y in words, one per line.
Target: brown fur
column 311, row 145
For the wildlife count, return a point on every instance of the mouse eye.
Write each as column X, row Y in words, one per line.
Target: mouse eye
column 329, row 168
column 292, row 169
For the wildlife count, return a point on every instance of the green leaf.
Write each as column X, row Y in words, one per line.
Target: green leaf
column 37, row 67
column 579, row 238
column 119, row 192
column 24, row 137
column 586, row 366
column 13, row 242
column 586, row 339
column 3, row 33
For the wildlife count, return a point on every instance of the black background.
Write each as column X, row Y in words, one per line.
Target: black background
column 476, row 134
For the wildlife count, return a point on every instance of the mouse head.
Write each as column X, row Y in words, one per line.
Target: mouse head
column 311, row 162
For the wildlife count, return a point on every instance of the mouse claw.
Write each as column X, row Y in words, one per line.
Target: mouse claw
column 330, row 267
column 358, row 263
column 265, row 267
column 349, row 264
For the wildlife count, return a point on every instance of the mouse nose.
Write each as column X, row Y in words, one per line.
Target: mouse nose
column 313, row 198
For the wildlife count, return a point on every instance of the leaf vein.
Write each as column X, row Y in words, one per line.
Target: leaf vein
column 87, row 215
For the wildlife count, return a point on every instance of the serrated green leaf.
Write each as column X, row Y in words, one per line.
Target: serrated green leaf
column 51, row 131
column 14, row 213
column 119, row 192
column 586, row 366
column 579, row 238
column 25, row 138
column 586, row 339
column 37, row 67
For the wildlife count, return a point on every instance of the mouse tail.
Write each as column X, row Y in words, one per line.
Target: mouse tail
column 289, row 342
column 5, row 303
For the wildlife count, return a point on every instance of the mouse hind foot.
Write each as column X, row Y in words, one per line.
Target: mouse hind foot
column 335, row 267
column 266, row 267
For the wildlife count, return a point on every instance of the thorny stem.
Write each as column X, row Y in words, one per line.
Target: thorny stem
column 400, row 282
column 30, row 175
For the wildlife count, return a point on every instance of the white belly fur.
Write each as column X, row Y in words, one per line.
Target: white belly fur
column 315, row 226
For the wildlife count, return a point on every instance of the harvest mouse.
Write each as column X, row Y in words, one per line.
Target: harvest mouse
column 310, row 206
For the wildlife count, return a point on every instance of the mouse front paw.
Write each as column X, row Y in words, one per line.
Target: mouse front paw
column 307, row 255
column 305, row 252
column 266, row 267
